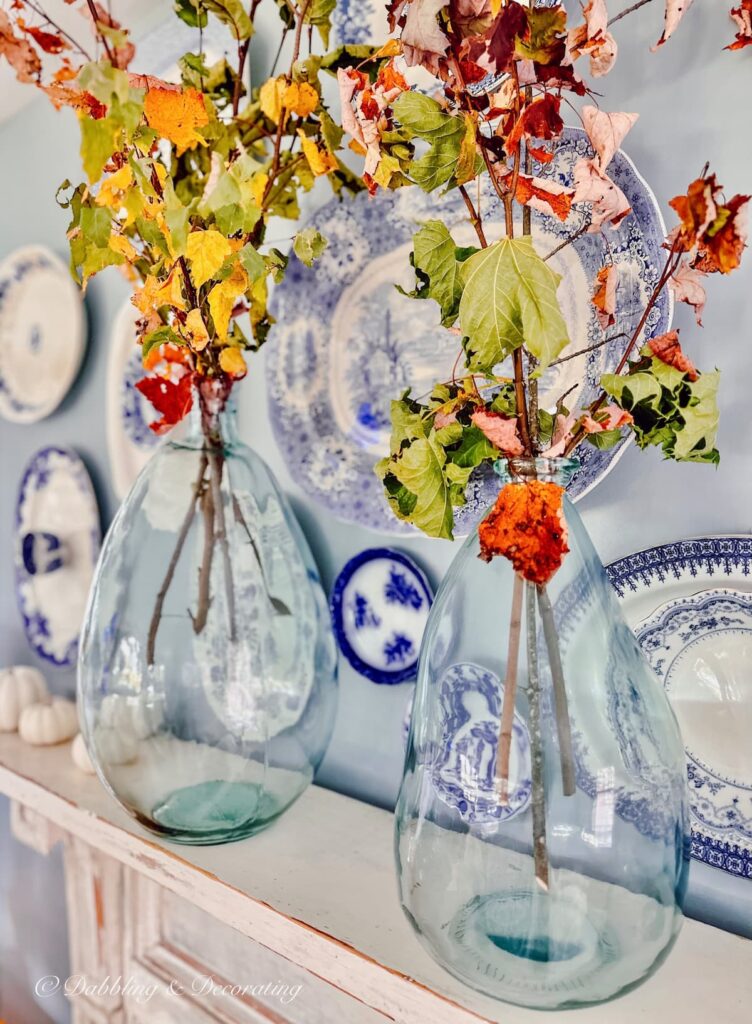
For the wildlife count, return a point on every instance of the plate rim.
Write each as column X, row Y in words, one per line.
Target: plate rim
column 80, row 336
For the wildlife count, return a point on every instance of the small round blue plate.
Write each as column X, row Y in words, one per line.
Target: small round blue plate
column 380, row 603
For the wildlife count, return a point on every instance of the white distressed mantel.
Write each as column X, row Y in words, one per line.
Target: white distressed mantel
column 311, row 902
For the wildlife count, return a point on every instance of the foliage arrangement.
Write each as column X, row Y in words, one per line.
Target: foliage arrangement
column 501, row 73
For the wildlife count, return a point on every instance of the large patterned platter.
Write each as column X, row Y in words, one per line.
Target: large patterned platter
column 347, row 341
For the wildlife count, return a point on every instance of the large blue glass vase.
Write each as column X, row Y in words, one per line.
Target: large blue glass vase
column 207, row 668
column 551, row 875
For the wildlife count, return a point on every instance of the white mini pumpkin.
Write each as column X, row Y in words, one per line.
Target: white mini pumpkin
column 80, row 756
column 43, row 725
column 134, row 715
column 20, row 686
column 113, row 747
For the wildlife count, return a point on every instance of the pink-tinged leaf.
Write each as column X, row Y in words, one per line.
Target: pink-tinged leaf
column 562, row 435
column 688, row 286
column 609, row 418
column 606, row 132
column 594, row 39
column 666, row 347
column 608, row 204
column 675, row 11
column 444, row 419
column 604, row 295
column 742, row 16
column 500, row 430
column 423, row 41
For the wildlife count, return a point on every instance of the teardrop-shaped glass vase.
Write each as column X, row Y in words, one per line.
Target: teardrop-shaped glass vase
column 207, row 666
column 551, row 876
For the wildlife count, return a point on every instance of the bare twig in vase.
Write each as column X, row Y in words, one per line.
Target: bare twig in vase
column 628, row 10
column 204, row 573
column 277, row 604
column 510, row 692
column 540, row 852
column 217, row 461
column 568, row 241
column 156, row 615
column 561, row 708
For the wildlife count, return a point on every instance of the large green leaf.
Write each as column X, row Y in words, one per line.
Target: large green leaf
column 424, row 118
column 233, row 14
column 697, row 437
column 434, row 256
column 509, row 300
column 420, row 468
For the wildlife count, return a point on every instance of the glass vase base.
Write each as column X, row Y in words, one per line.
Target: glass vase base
column 556, row 951
column 214, row 812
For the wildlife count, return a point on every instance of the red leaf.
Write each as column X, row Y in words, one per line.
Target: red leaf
column 511, row 21
column 742, row 15
column 666, row 347
column 173, row 401
column 47, row 41
column 539, row 120
column 527, row 526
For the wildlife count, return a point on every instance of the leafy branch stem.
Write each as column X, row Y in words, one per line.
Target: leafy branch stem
column 510, row 691
column 537, row 775
column 561, row 707
column 475, row 218
column 97, row 28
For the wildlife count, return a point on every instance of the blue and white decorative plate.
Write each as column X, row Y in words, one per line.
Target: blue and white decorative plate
column 130, row 442
column 347, row 342
column 471, row 699
column 380, row 603
column 57, row 545
column 690, row 606
column 42, row 333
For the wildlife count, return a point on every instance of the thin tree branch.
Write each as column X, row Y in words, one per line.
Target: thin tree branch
column 217, row 461
column 510, row 692
column 105, row 41
column 563, row 725
column 588, row 348
column 474, row 217
column 567, row 241
column 628, row 10
column 204, row 572
column 537, row 772
column 41, row 13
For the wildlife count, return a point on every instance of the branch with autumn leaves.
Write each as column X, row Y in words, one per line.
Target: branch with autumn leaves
column 502, row 71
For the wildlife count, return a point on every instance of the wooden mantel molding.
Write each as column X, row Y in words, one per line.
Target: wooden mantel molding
column 309, row 906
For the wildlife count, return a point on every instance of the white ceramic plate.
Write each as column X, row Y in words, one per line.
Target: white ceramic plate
column 42, row 333
column 56, row 506
column 130, row 442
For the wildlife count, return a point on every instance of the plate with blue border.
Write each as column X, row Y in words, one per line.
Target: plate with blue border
column 690, row 606
column 42, row 333
column 380, row 604
column 347, row 342
column 58, row 538
column 130, row 442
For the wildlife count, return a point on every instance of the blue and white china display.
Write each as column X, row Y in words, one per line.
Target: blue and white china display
column 380, row 603
column 130, row 442
column 42, row 333
column 58, row 538
column 690, row 605
column 347, row 342
column 565, row 886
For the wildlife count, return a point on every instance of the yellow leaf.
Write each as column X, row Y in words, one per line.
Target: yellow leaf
column 232, row 362
column 258, row 184
column 156, row 293
column 223, row 297
column 391, row 48
column 495, row 7
column 112, row 188
column 176, row 115
column 271, row 97
column 206, row 251
column 300, row 98
column 123, row 245
column 320, row 160
column 356, row 147
column 195, row 328
column 466, row 160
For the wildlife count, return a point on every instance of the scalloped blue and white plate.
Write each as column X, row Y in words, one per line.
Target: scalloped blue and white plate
column 130, row 442
column 690, row 606
column 42, row 333
column 380, row 603
column 347, row 342
column 58, row 509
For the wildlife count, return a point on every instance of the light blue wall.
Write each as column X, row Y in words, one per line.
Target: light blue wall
column 693, row 104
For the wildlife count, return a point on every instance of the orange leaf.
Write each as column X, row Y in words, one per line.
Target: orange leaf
column 176, row 116
column 526, row 525
column 540, row 193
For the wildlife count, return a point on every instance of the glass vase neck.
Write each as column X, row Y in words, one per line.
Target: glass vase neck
column 521, row 470
column 212, row 421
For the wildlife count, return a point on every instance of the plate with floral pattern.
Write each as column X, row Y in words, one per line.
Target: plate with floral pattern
column 347, row 342
column 690, row 606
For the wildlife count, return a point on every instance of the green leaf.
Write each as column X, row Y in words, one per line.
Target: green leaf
column 319, row 14
column 192, row 12
column 509, row 300
column 434, row 257
column 420, row 468
column 424, row 118
column 309, row 244
column 640, row 387
column 159, row 337
column 98, row 142
column 331, row 131
column 697, row 437
column 605, row 439
column 475, row 449
column 233, row 14
column 252, row 262
column 96, row 225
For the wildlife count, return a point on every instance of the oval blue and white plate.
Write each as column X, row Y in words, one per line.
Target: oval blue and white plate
column 690, row 606
column 57, row 545
column 42, row 333
column 347, row 342
column 130, row 442
column 379, row 604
